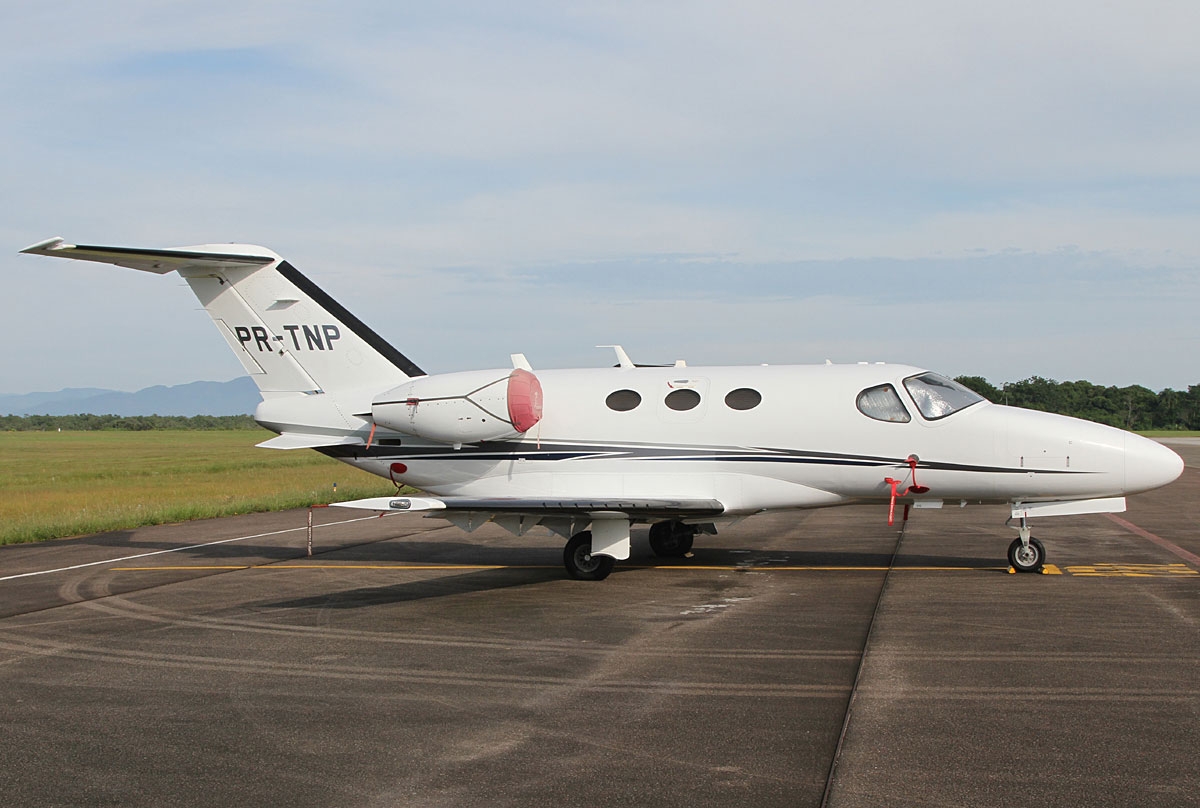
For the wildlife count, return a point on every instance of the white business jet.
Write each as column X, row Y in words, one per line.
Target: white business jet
column 588, row 452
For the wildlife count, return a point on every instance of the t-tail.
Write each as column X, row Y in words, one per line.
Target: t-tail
column 314, row 362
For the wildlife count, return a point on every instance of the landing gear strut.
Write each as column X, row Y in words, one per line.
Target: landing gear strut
column 581, row 564
column 672, row 539
column 1026, row 554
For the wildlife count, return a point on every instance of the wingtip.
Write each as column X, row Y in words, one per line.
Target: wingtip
column 56, row 243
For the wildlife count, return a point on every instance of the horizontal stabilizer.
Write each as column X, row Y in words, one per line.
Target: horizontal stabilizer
column 297, row 440
column 1075, row 507
column 210, row 256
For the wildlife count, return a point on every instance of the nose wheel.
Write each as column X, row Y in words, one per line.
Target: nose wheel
column 1026, row 554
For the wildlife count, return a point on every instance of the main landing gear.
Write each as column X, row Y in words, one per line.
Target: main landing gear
column 1026, row 554
column 581, row 564
column 672, row 539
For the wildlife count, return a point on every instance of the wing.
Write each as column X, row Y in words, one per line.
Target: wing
column 561, row 515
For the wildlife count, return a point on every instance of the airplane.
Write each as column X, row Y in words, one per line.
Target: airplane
column 587, row 453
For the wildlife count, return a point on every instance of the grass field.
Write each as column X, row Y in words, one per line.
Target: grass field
column 71, row 483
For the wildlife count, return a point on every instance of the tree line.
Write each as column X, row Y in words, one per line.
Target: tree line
column 1133, row 407
column 131, row 423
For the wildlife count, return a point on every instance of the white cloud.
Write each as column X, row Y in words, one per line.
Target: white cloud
column 381, row 143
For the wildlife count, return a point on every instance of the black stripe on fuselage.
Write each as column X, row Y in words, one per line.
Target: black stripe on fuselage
column 499, row 451
column 356, row 325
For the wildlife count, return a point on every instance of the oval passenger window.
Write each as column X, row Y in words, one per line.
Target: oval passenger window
column 682, row 399
column 743, row 398
column 623, row 400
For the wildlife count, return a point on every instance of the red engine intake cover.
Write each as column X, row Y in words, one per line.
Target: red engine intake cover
column 524, row 400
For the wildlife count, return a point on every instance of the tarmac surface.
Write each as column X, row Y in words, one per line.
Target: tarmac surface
column 801, row 659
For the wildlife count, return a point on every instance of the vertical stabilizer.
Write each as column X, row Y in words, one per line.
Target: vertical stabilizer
column 290, row 336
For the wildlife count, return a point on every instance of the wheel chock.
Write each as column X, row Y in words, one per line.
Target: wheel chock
column 1012, row 571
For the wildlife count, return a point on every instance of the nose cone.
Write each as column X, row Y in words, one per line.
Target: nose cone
column 1149, row 464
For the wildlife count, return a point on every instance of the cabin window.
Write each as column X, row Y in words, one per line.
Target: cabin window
column 936, row 396
column 681, row 400
column 883, row 404
column 623, row 400
column 743, row 398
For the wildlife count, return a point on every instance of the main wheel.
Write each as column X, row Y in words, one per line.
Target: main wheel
column 581, row 564
column 671, row 539
column 1026, row 559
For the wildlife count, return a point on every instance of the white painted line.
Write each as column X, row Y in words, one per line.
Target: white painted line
column 180, row 549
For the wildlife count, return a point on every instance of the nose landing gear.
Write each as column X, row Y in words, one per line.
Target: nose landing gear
column 1026, row 554
column 1027, row 557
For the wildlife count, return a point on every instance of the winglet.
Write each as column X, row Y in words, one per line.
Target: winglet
column 47, row 246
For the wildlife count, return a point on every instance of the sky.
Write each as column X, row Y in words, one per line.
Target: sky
column 1002, row 190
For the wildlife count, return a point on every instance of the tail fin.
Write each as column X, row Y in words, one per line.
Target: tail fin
column 290, row 335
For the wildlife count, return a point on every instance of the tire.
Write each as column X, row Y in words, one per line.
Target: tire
column 1027, row 560
column 581, row 564
column 671, row 539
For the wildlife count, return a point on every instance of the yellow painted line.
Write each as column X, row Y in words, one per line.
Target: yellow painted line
column 772, row 568
column 748, row 568
column 1131, row 570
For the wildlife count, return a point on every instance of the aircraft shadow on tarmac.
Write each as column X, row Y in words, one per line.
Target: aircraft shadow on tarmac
column 443, row 586
column 522, row 567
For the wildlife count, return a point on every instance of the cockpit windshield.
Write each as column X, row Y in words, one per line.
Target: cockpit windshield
column 936, row 396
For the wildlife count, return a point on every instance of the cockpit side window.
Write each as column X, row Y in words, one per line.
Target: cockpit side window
column 936, row 396
column 883, row 404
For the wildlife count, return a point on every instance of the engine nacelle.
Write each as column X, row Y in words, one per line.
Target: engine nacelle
column 468, row 407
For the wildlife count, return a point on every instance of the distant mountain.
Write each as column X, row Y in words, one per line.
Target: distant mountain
column 237, row 397
column 31, row 402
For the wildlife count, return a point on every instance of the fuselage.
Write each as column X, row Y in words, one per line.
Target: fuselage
column 762, row 438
